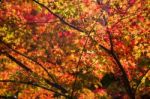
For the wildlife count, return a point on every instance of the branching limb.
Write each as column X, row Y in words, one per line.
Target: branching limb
column 10, row 48
column 55, row 85
column 111, row 51
column 31, row 84
column 124, row 74
column 117, row 60
column 70, row 25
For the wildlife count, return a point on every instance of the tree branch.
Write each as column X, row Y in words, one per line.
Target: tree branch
column 32, row 84
column 59, row 17
column 70, row 25
column 126, row 81
column 55, row 85
column 76, row 76
column 111, row 41
column 138, row 85
column 124, row 75
column 18, row 63
column 49, row 74
column 8, row 97
column 114, row 55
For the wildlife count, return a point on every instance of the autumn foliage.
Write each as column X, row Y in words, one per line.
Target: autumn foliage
column 74, row 49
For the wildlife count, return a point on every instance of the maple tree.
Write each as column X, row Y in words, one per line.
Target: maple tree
column 74, row 49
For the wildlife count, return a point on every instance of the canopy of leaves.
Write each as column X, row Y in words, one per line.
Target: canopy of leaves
column 74, row 49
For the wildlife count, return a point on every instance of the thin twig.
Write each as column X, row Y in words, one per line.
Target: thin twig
column 76, row 76
column 138, row 85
